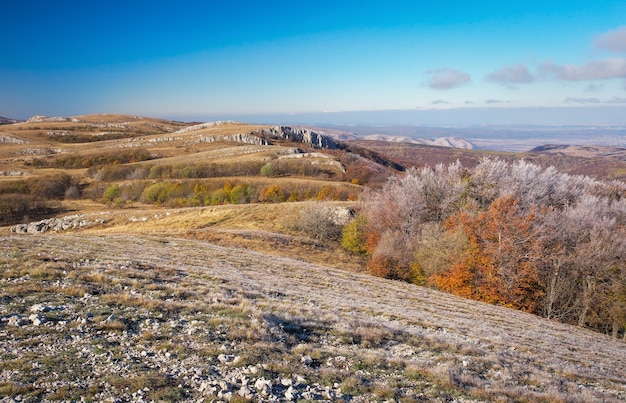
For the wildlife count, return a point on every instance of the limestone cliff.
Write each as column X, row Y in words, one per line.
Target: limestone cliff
column 313, row 139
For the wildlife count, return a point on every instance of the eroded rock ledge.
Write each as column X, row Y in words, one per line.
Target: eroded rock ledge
column 57, row 224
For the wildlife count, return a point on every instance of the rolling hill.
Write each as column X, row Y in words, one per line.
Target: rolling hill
column 6, row 121
column 603, row 163
column 176, row 270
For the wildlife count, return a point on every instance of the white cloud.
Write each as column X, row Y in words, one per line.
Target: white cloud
column 616, row 100
column 445, row 79
column 495, row 101
column 596, row 70
column 515, row 74
column 576, row 100
column 614, row 40
column 439, row 102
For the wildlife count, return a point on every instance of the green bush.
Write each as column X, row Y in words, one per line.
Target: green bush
column 268, row 170
column 353, row 235
column 158, row 193
column 240, row 194
column 111, row 193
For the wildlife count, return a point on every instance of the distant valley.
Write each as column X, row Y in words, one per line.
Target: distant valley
column 514, row 138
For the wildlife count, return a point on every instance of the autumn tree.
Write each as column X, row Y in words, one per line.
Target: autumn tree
column 500, row 263
column 353, row 235
column 514, row 234
column 397, row 212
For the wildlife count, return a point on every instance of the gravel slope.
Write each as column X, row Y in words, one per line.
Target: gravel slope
column 131, row 318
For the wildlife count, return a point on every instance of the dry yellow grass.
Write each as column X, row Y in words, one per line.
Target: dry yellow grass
column 38, row 143
column 266, row 228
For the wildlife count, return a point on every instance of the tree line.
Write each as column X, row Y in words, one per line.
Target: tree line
column 194, row 193
column 34, row 197
column 512, row 234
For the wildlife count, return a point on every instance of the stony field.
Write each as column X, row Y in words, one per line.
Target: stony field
column 145, row 318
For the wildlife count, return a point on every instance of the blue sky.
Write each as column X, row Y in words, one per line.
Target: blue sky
column 201, row 60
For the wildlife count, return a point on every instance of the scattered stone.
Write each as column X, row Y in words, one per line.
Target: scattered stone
column 36, row 319
column 225, row 358
column 306, row 360
column 263, row 385
column 16, row 320
column 40, row 308
column 291, row 394
column 245, row 392
column 329, row 393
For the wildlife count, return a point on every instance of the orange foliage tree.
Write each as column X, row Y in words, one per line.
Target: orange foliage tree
column 500, row 266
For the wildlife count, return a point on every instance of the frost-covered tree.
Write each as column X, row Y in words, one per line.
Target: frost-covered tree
column 515, row 234
column 397, row 212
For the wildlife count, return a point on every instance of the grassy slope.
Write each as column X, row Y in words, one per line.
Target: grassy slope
column 267, row 228
column 394, row 339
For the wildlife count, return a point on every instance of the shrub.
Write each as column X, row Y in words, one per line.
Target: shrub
column 124, row 157
column 241, row 194
column 111, row 193
column 73, row 192
column 353, row 235
column 115, row 172
column 159, row 192
column 272, row 194
column 319, row 221
column 326, row 193
column 51, row 187
column 268, row 170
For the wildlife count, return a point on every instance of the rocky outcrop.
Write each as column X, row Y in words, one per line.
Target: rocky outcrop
column 205, row 126
column 302, row 135
column 246, row 138
column 56, row 224
column 11, row 140
column 39, row 151
column 106, row 125
column 45, row 119
column 12, row 173
column 316, row 159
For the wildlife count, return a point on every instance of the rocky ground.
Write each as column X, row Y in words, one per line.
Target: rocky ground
column 143, row 318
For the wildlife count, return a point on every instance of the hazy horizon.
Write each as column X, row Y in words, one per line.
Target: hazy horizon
column 540, row 116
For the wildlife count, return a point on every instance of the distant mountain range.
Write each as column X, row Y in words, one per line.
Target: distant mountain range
column 516, row 138
column 7, row 121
